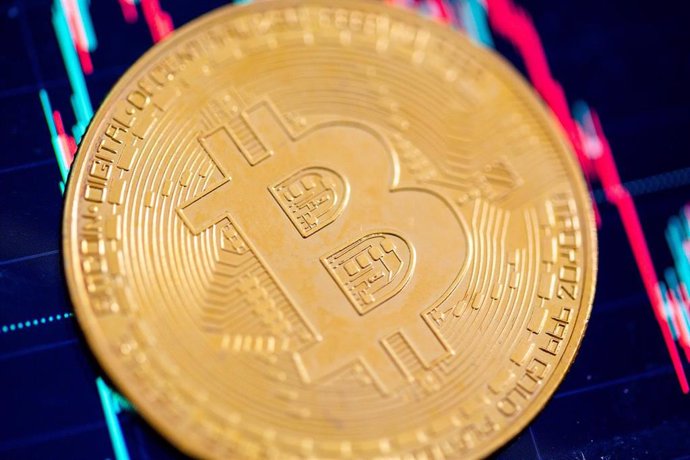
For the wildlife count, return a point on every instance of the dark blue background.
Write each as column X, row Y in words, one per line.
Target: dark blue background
column 629, row 60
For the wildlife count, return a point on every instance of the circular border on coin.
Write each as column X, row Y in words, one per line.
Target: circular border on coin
column 498, row 67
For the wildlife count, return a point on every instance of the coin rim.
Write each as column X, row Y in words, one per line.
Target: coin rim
column 495, row 63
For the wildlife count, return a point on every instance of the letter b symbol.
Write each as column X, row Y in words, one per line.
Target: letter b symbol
column 362, row 257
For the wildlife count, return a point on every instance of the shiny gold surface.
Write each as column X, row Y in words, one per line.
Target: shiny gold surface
column 328, row 229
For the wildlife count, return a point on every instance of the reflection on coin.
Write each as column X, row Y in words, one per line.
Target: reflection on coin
column 328, row 229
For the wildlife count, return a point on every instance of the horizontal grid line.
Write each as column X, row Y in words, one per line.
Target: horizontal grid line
column 38, row 349
column 35, row 322
column 650, row 184
column 51, row 436
column 619, row 381
column 25, row 258
column 33, row 164
column 115, row 70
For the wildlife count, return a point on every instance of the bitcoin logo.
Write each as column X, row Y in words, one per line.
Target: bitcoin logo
column 336, row 184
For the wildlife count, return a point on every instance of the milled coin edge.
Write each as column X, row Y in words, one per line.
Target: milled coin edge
column 494, row 62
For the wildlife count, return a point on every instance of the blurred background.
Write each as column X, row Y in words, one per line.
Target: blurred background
column 624, row 70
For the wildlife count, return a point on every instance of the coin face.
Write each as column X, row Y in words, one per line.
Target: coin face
column 329, row 229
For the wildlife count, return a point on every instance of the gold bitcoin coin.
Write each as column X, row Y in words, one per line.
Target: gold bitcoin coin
column 329, row 229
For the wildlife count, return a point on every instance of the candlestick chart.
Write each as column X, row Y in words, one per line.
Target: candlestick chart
column 615, row 76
